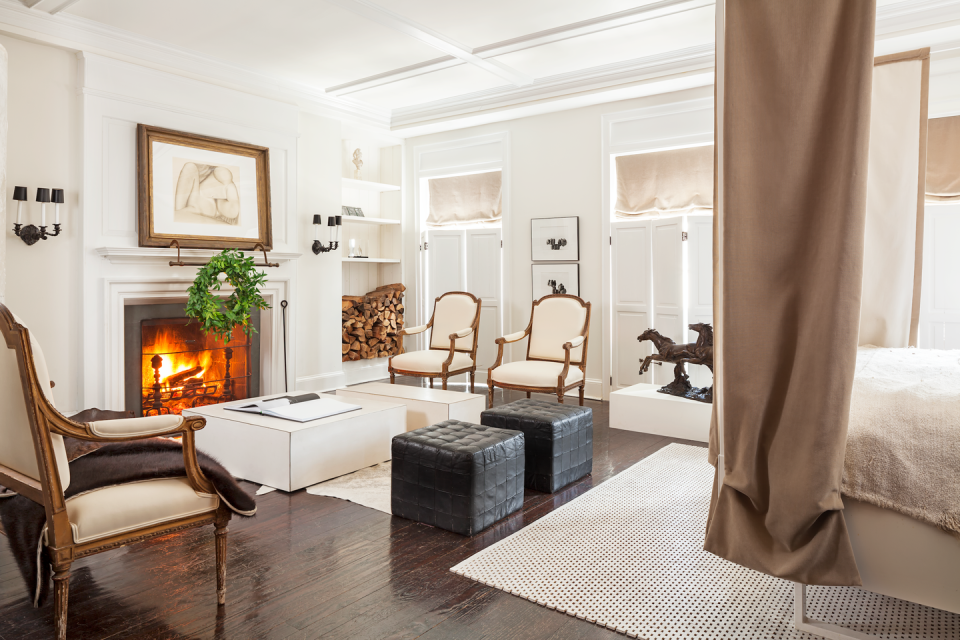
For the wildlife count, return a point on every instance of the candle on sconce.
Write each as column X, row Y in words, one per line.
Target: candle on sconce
column 58, row 200
column 43, row 197
column 20, row 195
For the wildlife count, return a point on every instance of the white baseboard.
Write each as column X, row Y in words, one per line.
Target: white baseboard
column 352, row 373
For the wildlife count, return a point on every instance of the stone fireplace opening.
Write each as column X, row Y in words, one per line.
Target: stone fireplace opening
column 171, row 365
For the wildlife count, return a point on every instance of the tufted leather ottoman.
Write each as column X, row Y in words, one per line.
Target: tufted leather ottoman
column 559, row 440
column 457, row 476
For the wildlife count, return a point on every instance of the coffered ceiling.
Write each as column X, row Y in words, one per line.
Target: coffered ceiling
column 412, row 65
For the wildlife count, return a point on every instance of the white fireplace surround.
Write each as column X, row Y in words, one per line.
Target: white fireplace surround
column 120, row 292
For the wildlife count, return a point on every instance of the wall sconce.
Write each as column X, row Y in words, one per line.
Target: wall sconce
column 333, row 229
column 30, row 234
column 556, row 244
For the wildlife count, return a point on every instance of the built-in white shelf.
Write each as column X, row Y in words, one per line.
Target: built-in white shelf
column 369, row 260
column 365, row 220
column 350, row 183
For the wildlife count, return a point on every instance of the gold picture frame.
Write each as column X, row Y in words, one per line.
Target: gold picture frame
column 203, row 192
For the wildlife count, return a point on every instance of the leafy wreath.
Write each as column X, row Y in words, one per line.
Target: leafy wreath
column 220, row 316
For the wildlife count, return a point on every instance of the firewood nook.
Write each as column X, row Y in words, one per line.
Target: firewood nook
column 372, row 323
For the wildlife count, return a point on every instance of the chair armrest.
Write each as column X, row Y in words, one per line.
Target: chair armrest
column 576, row 342
column 463, row 333
column 412, row 330
column 513, row 337
column 148, row 427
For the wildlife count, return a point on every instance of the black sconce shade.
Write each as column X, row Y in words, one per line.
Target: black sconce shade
column 331, row 221
column 43, row 195
column 20, row 193
column 58, row 196
column 317, row 219
column 339, row 220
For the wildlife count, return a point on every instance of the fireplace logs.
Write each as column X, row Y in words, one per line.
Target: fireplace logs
column 371, row 323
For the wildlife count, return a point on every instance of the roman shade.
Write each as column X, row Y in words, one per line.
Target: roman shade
column 793, row 110
column 943, row 160
column 473, row 199
column 893, row 235
column 649, row 184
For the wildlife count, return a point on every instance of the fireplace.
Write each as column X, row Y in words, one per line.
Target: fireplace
column 171, row 365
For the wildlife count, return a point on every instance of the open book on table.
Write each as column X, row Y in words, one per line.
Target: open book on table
column 302, row 408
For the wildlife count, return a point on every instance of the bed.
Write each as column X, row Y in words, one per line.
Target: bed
column 901, row 481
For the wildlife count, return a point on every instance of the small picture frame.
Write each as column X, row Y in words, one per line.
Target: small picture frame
column 203, row 192
column 356, row 212
column 555, row 278
column 555, row 239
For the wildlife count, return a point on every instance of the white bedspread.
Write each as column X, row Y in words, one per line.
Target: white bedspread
column 903, row 443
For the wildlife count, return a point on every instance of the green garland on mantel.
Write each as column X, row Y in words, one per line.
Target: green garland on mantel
column 220, row 316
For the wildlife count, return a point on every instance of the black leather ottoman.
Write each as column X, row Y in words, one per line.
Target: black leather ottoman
column 457, row 476
column 559, row 440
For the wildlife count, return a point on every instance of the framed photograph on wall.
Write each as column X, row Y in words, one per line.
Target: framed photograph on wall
column 555, row 239
column 555, row 278
column 205, row 193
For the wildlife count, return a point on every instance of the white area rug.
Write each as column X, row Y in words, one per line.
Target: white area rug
column 369, row 487
column 628, row 555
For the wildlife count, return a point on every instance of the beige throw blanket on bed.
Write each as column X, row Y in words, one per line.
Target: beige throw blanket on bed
column 903, row 443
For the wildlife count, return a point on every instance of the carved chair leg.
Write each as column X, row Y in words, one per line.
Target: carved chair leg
column 490, row 390
column 61, row 592
column 444, row 380
column 528, row 394
column 393, row 378
column 431, row 383
column 581, row 393
column 473, row 381
column 560, row 395
column 220, row 536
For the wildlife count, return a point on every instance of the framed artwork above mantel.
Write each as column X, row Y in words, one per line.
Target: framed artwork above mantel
column 203, row 192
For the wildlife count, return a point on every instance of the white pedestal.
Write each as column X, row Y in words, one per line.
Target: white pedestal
column 642, row 408
column 291, row 455
column 424, row 406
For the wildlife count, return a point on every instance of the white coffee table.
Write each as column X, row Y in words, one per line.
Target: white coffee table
column 424, row 406
column 289, row 455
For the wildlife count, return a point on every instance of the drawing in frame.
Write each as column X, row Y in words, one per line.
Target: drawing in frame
column 555, row 239
column 556, row 278
column 205, row 193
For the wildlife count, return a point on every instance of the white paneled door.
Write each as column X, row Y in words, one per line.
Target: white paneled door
column 632, row 300
column 940, row 291
column 667, row 268
column 469, row 260
column 699, row 261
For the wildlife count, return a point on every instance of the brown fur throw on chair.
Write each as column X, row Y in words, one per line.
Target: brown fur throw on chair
column 112, row 464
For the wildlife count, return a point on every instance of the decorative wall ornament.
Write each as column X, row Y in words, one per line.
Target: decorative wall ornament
column 333, row 227
column 204, row 192
column 555, row 239
column 352, row 211
column 31, row 234
column 357, row 162
column 555, row 278
column 699, row 352
column 220, row 316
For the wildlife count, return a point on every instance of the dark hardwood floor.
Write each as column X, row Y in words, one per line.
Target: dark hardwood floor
column 310, row 567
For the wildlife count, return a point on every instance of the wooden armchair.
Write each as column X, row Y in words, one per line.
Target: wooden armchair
column 33, row 462
column 453, row 343
column 559, row 331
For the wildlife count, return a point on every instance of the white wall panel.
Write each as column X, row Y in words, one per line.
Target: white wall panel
column 940, row 292
column 483, row 281
column 632, row 294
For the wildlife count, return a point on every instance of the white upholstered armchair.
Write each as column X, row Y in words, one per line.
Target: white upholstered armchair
column 453, row 342
column 33, row 463
column 556, row 359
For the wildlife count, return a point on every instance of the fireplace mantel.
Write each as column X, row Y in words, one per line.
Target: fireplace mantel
column 150, row 255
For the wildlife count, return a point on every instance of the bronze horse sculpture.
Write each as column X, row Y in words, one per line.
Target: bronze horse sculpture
column 699, row 352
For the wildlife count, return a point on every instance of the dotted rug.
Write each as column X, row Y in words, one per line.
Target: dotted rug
column 628, row 555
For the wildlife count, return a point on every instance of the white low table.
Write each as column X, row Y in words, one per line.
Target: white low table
column 642, row 408
column 289, row 455
column 424, row 406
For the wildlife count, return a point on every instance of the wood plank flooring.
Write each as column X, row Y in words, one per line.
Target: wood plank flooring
column 316, row 567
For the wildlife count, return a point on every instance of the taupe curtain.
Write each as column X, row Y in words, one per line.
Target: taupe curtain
column 794, row 112
column 893, row 238
column 465, row 199
column 665, row 181
column 943, row 160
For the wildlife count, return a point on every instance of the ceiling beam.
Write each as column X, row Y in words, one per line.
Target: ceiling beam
column 537, row 39
column 50, row 6
column 428, row 36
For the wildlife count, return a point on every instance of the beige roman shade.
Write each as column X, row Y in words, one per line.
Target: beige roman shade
column 469, row 199
column 649, row 184
column 793, row 142
column 943, row 159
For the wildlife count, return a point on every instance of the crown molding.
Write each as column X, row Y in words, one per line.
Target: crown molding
column 79, row 34
column 913, row 15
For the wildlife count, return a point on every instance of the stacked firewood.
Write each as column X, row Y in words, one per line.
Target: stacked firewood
column 371, row 323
